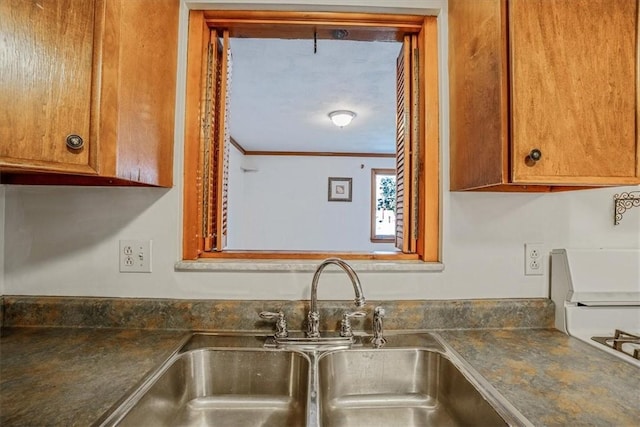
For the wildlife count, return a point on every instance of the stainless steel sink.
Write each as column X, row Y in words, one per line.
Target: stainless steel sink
column 398, row 387
column 222, row 387
column 243, row 380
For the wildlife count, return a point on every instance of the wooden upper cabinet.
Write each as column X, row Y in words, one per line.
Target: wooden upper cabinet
column 45, row 83
column 556, row 78
column 104, row 70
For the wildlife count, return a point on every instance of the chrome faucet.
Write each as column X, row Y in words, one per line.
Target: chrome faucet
column 314, row 316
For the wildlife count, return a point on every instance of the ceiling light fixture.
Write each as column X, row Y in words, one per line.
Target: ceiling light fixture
column 341, row 118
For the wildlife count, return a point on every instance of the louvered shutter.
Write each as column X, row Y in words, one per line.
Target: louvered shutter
column 216, row 140
column 407, row 137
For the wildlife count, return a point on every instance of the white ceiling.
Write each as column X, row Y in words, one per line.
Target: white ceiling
column 281, row 94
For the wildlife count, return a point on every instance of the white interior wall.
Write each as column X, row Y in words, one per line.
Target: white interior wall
column 238, row 168
column 285, row 207
column 64, row 240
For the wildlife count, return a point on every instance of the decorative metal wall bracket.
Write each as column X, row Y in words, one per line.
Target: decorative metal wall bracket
column 623, row 202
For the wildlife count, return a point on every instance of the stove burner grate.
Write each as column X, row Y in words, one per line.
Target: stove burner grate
column 619, row 339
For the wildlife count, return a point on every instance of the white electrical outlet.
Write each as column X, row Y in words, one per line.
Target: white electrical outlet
column 135, row 256
column 533, row 259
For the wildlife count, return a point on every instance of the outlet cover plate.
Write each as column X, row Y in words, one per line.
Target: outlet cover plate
column 135, row 256
column 533, row 259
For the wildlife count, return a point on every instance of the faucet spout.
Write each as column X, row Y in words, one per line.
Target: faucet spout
column 314, row 316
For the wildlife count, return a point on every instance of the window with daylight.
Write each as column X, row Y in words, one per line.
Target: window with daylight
column 405, row 210
column 383, row 205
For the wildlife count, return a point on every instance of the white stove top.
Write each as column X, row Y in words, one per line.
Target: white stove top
column 597, row 292
column 588, row 322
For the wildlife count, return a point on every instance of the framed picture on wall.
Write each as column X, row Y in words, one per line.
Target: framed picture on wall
column 340, row 189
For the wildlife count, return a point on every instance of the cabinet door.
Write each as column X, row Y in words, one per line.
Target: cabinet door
column 138, row 49
column 573, row 90
column 46, row 51
column 478, row 94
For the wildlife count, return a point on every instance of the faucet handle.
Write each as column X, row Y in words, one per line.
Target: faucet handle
column 345, row 324
column 281, row 322
column 378, row 339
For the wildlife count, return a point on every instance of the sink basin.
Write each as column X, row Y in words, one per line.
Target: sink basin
column 403, row 387
column 246, row 380
column 222, row 387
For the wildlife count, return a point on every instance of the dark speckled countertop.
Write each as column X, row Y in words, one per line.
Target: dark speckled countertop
column 66, row 361
column 551, row 378
column 71, row 376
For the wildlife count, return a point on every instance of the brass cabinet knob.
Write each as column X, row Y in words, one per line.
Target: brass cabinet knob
column 75, row 142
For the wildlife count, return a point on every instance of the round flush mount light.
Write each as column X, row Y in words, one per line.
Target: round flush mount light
column 341, row 118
